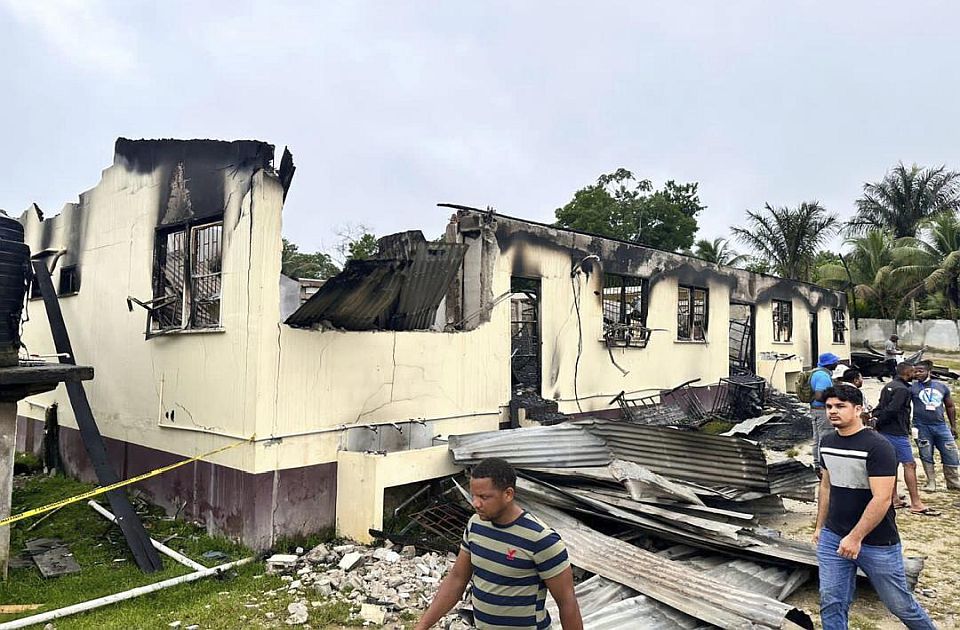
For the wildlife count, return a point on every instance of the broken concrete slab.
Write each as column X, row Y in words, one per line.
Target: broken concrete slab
column 373, row 613
column 281, row 562
column 350, row 560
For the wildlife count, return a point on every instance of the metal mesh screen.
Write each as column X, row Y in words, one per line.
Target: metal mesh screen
column 168, row 280
column 839, row 325
column 205, row 276
column 625, row 310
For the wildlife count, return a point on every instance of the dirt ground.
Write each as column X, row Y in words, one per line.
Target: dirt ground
column 933, row 538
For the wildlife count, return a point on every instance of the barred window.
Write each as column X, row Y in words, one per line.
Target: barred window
column 691, row 313
column 839, row 318
column 69, row 280
column 187, row 277
column 782, row 320
column 625, row 301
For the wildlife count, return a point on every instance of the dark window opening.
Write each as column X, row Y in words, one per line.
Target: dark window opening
column 782, row 320
column 187, row 278
column 69, row 280
column 525, row 334
column 625, row 302
column 691, row 313
column 839, row 317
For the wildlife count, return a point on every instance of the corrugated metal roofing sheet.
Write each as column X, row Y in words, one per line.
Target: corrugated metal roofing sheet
column 560, row 446
column 671, row 583
column 401, row 291
column 687, row 455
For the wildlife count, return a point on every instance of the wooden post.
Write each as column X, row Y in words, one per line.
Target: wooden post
column 8, row 446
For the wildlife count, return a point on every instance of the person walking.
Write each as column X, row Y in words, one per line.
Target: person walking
column 856, row 527
column 511, row 556
column 893, row 422
column 932, row 407
column 893, row 355
column 820, row 379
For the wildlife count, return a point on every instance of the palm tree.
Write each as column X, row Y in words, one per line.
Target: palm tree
column 788, row 237
column 718, row 252
column 872, row 274
column 905, row 198
column 931, row 264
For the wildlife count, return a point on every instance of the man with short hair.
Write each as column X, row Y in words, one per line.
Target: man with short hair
column 513, row 558
column 893, row 354
column 856, row 527
column 854, row 377
column 931, row 402
column 820, row 380
column 893, row 422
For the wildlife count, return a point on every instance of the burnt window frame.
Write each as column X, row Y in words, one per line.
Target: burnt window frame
column 618, row 317
column 690, row 315
column 838, row 320
column 68, row 271
column 186, row 319
column 777, row 312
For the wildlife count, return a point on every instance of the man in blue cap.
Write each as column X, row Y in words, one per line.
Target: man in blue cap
column 821, row 379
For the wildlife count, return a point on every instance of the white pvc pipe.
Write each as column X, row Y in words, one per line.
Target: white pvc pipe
column 118, row 597
column 159, row 546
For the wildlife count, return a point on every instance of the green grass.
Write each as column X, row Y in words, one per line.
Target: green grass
column 716, row 427
column 26, row 463
column 96, row 544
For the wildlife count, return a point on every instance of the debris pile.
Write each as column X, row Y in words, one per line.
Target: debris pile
column 380, row 583
column 665, row 523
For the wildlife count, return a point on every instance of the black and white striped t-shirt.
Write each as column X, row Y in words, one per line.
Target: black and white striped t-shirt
column 851, row 461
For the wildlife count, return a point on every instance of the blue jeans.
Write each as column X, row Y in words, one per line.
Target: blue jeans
column 883, row 565
column 937, row 436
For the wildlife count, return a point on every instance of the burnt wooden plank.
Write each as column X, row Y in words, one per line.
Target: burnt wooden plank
column 143, row 551
column 52, row 373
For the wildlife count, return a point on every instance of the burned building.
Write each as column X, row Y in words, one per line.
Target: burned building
column 169, row 277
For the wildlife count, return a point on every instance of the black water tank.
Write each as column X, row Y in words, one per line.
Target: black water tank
column 14, row 276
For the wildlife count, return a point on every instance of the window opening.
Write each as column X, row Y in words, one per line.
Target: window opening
column 187, row 278
column 839, row 325
column 625, row 301
column 69, row 280
column 782, row 320
column 691, row 313
column 525, row 334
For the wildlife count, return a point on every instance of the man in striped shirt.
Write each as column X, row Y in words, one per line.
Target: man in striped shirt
column 513, row 559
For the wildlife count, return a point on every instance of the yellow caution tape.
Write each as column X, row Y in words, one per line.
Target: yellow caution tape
column 126, row 482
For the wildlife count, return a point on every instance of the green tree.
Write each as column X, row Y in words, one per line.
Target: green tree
column 872, row 279
column 905, row 198
column 718, row 252
column 620, row 206
column 363, row 248
column 788, row 238
column 930, row 264
column 296, row 264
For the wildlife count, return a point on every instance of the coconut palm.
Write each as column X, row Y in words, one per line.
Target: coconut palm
column 931, row 264
column 905, row 198
column 718, row 252
column 789, row 238
column 872, row 274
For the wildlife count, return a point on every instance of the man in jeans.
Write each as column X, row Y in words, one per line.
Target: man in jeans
column 856, row 525
column 820, row 380
column 893, row 422
column 932, row 406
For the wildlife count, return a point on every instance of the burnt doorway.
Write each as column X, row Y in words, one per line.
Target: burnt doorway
column 742, row 335
column 525, row 364
column 814, row 339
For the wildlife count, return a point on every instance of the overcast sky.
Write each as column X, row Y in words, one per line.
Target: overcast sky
column 392, row 107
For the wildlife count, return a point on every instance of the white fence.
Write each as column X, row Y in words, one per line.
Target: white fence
column 936, row 334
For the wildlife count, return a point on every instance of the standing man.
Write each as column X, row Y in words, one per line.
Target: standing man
column 513, row 559
column 820, row 380
column 853, row 377
column 893, row 422
column 856, row 527
column 931, row 402
column 893, row 354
